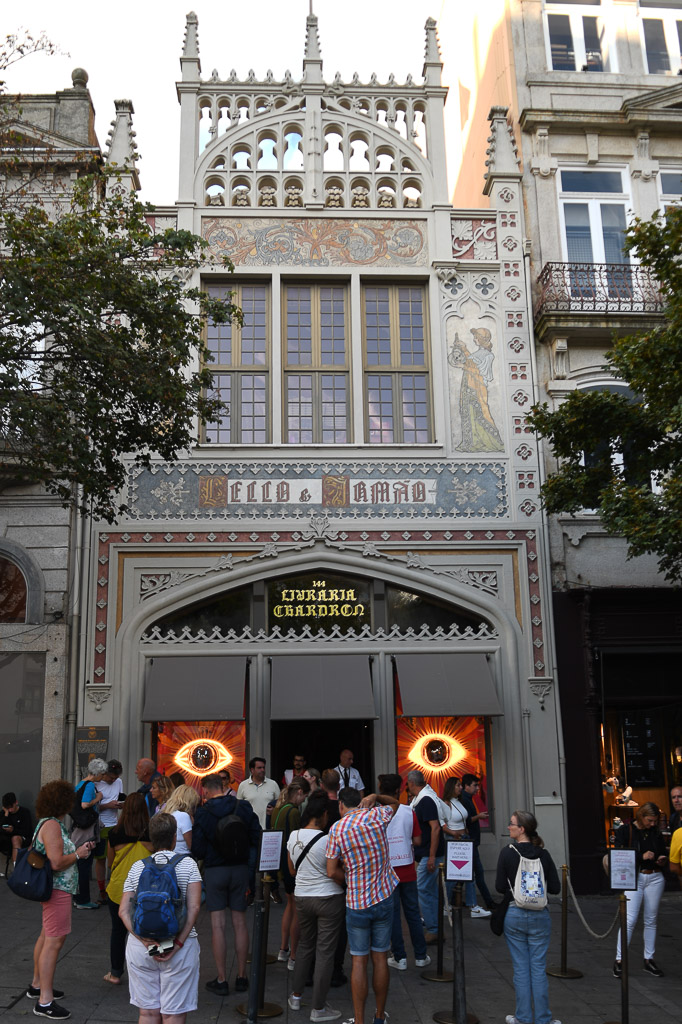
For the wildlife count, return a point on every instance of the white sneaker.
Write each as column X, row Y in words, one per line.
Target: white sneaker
column 290, row 964
column 424, row 962
column 480, row 912
column 283, row 956
column 294, row 1002
column 326, row 1013
column 399, row 965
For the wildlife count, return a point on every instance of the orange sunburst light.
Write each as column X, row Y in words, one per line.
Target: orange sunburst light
column 441, row 747
column 198, row 749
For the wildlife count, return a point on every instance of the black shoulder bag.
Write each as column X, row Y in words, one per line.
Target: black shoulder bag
column 307, row 848
column 82, row 817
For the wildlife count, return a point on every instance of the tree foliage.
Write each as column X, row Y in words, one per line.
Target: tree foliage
column 633, row 473
column 102, row 358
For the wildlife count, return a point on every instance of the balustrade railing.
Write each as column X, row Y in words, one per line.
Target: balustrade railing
column 597, row 288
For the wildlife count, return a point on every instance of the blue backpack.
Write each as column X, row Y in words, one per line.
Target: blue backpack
column 159, row 907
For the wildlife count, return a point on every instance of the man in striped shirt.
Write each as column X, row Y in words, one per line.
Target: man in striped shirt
column 359, row 841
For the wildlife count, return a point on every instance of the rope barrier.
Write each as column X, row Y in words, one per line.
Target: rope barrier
column 582, row 918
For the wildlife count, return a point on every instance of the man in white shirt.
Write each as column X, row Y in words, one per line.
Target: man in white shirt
column 261, row 793
column 349, row 775
column 110, row 787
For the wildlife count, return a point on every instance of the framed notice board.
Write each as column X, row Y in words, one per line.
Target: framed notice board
column 643, row 747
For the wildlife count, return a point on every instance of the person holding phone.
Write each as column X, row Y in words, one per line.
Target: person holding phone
column 644, row 836
column 16, row 828
column 52, row 840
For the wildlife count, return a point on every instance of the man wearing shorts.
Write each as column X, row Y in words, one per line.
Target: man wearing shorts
column 226, row 884
column 164, row 985
column 359, row 839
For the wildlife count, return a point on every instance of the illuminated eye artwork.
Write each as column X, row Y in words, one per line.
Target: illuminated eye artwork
column 201, row 748
column 202, row 757
column 436, row 752
column 441, row 747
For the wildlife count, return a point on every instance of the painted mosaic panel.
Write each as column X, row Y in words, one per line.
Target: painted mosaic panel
column 474, row 239
column 295, row 490
column 301, row 242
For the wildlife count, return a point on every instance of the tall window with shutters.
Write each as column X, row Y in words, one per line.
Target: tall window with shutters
column 397, row 389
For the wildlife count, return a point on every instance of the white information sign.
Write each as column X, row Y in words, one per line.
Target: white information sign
column 459, row 862
column 270, row 851
column 623, row 869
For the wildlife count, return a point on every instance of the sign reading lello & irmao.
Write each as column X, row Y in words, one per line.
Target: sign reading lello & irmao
column 329, row 492
column 351, row 490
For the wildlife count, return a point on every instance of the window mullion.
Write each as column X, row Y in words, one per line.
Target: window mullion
column 397, row 407
column 578, row 33
column 315, row 326
column 356, row 347
column 672, row 41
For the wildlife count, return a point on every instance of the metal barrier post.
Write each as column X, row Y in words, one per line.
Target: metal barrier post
column 563, row 971
column 458, row 1014
column 439, row 974
column 624, row 978
column 256, row 1008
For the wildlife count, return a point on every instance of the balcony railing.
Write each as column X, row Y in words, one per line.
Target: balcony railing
column 597, row 288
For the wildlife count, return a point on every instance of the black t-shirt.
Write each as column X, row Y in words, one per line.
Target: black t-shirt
column 643, row 840
column 427, row 811
column 117, row 837
column 21, row 823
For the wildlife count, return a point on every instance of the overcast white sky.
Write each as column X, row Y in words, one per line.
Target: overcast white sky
column 131, row 50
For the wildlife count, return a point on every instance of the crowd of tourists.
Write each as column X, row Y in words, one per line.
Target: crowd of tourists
column 353, row 864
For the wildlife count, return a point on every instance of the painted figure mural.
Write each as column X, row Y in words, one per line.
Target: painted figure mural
column 479, row 432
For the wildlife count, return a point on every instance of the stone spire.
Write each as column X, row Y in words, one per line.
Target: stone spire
column 503, row 159
column 312, row 61
column 121, row 153
column 189, row 62
column 433, row 65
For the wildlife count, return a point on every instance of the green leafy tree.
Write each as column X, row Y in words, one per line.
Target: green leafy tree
column 633, row 473
column 99, row 339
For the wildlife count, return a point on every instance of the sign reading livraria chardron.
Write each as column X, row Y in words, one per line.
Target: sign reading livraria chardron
column 292, row 490
column 319, row 602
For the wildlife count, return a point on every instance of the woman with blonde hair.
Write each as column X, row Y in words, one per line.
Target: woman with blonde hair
column 160, row 790
column 182, row 803
column 644, row 836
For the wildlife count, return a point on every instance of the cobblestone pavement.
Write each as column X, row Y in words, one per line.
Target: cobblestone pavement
column 592, row 999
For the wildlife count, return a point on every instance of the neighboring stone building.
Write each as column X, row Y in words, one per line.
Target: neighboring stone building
column 53, row 140
column 353, row 555
column 596, row 107
column 44, row 554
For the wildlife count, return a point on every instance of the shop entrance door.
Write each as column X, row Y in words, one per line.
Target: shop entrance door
column 321, row 743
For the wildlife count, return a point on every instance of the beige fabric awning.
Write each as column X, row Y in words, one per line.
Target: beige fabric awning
column 317, row 686
column 446, row 684
column 197, row 688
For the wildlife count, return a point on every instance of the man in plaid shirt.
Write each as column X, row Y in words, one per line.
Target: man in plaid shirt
column 358, row 843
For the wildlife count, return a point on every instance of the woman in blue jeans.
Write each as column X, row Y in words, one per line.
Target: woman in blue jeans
column 527, row 930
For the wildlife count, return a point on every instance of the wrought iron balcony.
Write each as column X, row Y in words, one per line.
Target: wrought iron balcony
column 596, row 288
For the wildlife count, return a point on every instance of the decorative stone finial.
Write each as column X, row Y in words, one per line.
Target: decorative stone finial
column 312, row 39
column 432, row 50
column 121, row 150
column 79, row 77
column 433, row 65
column 502, row 151
column 191, row 44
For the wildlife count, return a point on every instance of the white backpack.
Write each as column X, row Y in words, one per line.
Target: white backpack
column 530, row 890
